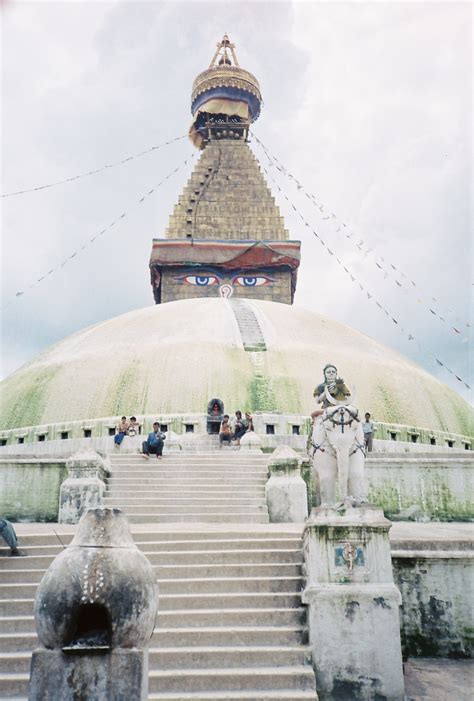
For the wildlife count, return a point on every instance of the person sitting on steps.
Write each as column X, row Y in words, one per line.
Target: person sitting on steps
column 121, row 431
column 225, row 431
column 154, row 442
column 7, row 532
column 242, row 425
column 134, row 427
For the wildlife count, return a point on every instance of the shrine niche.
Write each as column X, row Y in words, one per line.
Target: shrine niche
column 215, row 412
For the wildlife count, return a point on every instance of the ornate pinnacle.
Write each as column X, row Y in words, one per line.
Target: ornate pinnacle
column 222, row 51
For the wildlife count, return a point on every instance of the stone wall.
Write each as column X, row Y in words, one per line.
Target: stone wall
column 173, row 288
column 29, row 488
column 423, row 486
column 418, row 487
column 436, row 618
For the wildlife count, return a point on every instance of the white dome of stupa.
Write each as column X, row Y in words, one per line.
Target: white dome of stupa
column 252, row 354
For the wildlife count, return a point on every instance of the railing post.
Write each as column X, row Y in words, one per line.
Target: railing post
column 84, row 487
column 285, row 490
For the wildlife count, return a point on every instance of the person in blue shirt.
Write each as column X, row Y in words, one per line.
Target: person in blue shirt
column 154, row 443
column 7, row 532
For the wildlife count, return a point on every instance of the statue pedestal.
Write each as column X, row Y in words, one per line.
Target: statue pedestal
column 89, row 674
column 353, row 605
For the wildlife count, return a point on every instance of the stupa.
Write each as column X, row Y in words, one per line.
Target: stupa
column 223, row 280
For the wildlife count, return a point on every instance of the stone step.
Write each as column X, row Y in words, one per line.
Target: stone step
column 222, row 458
column 187, row 637
column 196, row 657
column 228, row 655
column 190, row 603
column 209, row 537
column 173, row 557
column 198, row 518
column 228, row 482
column 232, row 679
column 202, row 509
column 179, row 586
column 18, row 623
column 184, row 571
column 231, row 635
column 186, row 491
column 14, row 686
column 192, row 461
column 14, row 663
column 17, row 642
column 169, row 545
column 153, row 468
column 182, row 501
column 253, row 695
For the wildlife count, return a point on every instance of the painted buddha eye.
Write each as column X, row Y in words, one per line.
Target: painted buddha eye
column 200, row 280
column 253, row 280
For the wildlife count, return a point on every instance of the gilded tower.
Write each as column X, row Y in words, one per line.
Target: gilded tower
column 226, row 236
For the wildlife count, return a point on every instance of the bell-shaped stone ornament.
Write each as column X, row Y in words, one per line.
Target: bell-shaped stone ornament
column 100, row 592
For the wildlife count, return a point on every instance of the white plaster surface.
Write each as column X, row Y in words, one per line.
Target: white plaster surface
column 91, row 373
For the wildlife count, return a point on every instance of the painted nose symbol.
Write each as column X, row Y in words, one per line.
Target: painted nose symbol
column 226, row 291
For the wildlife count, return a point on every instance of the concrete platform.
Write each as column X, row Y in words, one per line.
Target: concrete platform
column 406, row 535
column 434, row 679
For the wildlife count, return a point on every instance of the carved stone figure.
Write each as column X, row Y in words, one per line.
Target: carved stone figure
column 337, row 443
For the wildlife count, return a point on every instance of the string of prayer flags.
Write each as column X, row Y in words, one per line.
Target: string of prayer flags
column 360, row 243
column 96, row 170
column 91, row 240
column 362, row 287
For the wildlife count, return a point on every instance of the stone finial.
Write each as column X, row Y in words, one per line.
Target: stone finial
column 283, row 459
column 251, row 441
column 94, row 609
column 101, row 572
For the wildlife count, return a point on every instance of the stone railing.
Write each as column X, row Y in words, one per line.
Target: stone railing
column 274, row 429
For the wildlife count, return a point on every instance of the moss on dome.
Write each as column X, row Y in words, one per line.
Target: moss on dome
column 176, row 356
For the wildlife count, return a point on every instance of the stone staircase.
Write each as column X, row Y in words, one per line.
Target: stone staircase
column 230, row 622
column 220, row 486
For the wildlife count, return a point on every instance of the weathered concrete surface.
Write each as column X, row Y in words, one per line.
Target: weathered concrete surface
column 285, row 491
column 432, row 679
column 439, row 485
column 353, row 604
column 121, row 675
column 29, row 488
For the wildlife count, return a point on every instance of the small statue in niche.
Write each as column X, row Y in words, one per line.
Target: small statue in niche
column 337, row 441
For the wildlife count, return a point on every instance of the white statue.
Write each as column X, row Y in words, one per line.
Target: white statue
column 337, row 442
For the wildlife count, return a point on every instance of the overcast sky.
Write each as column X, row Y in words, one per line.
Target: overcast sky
column 367, row 104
